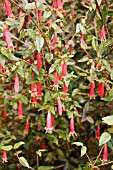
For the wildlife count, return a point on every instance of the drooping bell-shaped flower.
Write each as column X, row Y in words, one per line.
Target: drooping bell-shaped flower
column 60, row 5
column 9, row 87
column 49, row 124
column 39, row 15
column 98, row 132
column 64, row 70
column 0, row 68
column 39, row 127
column 54, row 4
column 82, row 40
column 34, row 101
column 39, row 61
column 72, row 128
column 101, row 89
column 92, row 86
column 54, row 40
column 20, row 110
column 18, row 167
column 5, row 114
column 105, row 154
column 65, row 88
column 27, row 126
column 39, row 89
column 56, row 80
column 33, row 90
column 8, row 39
column 4, row 156
column 59, row 106
column 16, row 84
column 7, row 9
column 102, row 33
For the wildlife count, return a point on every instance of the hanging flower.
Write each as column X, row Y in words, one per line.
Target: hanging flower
column 7, row 9
column 49, row 124
column 72, row 129
column 0, row 68
column 39, row 15
column 92, row 86
column 99, row 66
column 39, row 127
column 54, row 40
column 101, row 89
column 56, row 80
column 8, row 39
column 59, row 106
column 98, row 132
column 20, row 111
column 16, row 84
column 5, row 114
column 54, row 4
column 4, row 156
column 39, row 89
column 39, row 61
column 33, row 90
column 65, row 88
column 60, row 5
column 34, row 101
column 105, row 154
column 64, row 69
column 26, row 130
column 102, row 33
column 82, row 40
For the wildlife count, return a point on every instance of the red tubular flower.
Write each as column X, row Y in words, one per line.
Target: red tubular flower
column 39, row 61
column 54, row 4
column 33, row 90
column 5, row 114
column 92, row 86
column 8, row 39
column 65, row 88
column 26, row 130
column 34, row 101
column 0, row 68
column 59, row 106
column 102, row 33
column 20, row 111
column 16, row 84
column 82, row 40
column 56, row 80
column 54, row 40
column 98, row 132
column 4, row 156
column 39, row 89
column 60, row 5
column 49, row 124
column 39, row 127
column 72, row 129
column 64, row 70
column 18, row 167
column 105, row 154
column 101, row 89
column 39, row 15
column 99, row 66
column 28, row 20
column 8, row 9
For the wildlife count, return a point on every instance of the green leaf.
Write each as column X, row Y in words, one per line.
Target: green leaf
column 105, row 137
column 56, row 27
column 83, row 150
column 31, row 33
column 23, row 161
column 80, row 28
column 11, row 22
column 108, row 120
column 49, row 57
column 47, row 97
column 108, row 42
column 84, row 59
column 46, row 167
column 77, row 143
column 55, row 140
column 95, row 43
column 107, row 98
column 9, row 55
column 35, row 69
column 20, row 71
column 86, row 108
column 51, row 108
column 47, row 14
column 7, row 148
column 33, row 6
column 75, row 91
column 2, row 59
column 87, row 166
column 111, row 75
column 17, row 145
column 24, row 99
column 39, row 43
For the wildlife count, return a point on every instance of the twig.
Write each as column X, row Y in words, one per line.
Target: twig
column 98, row 155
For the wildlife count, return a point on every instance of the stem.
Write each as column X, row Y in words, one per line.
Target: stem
column 79, row 68
column 37, row 162
column 98, row 155
column 88, row 158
